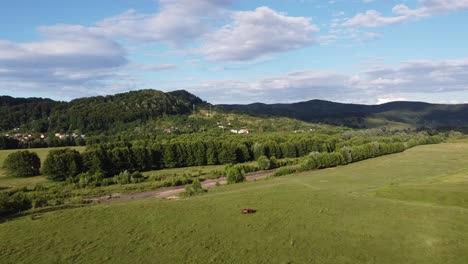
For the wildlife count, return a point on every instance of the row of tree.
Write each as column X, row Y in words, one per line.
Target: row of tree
column 112, row 159
column 49, row 142
column 350, row 154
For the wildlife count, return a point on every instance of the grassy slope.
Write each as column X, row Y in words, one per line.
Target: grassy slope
column 11, row 181
column 350, row 214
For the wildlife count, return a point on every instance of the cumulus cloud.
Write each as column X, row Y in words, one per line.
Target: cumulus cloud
column 402, row 13
column 177, row 22
column 253, row 34
column 59, row 61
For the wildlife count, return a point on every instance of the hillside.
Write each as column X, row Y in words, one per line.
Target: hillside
column 99, row 113
column 361, row 116
column 125, row 111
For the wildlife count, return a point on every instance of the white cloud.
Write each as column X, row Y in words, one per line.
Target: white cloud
column 253, row 34
column 290, row 87
column 177, row 22
column 59, row 61
column 402, row 13
column 152, row 67
column 378, row 84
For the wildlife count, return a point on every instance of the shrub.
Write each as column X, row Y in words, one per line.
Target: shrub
column 137, row 177
column 194, row 189
column 89, row 180
column 14, row 203
column 307, row 164
column 235, row 174
column 284, row 171
column 123, row 178
column 274, row 163
column 22, row 164
column 62, row 164
column 263, row 163
column 107, row 182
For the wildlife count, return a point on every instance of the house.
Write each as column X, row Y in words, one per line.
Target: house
column 240, row 131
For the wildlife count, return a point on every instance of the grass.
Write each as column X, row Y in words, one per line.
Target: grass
column 404, row 208
column 6, row 181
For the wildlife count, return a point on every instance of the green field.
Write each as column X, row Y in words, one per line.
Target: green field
column 404, row 208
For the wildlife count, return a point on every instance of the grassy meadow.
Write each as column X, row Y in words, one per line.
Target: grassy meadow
column 410, row 207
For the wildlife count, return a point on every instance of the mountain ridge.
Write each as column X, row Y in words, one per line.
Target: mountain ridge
column 101, row 113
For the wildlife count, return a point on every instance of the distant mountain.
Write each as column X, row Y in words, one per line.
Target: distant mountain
column 123, row 111
column 90, row 114
column 415, row 114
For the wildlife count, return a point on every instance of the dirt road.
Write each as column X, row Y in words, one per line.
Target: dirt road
column 169, row 192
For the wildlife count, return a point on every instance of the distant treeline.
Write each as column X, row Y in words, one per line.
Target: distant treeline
column 114, row 158
column 349, row 153
column 50, row 142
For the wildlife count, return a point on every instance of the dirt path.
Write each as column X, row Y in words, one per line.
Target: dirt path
column 172, row 192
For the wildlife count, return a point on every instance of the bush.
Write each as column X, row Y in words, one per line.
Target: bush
column 235, row 174
column 284, row 171
column 62, row 164
column 22, row 164
column 137, row 177
column 124, row 177
column 274, row 163
column 263, row 163
column 89, row 179
column 14, row 203
column 194, row 189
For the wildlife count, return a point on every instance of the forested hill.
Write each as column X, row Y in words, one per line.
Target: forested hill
column 93, row 113
column 122, row 111
column 361, row 116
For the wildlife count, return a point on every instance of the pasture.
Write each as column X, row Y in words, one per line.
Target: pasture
column 410, row 207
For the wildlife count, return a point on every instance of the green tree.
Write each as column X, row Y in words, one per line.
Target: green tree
column 22, row 164
column 258, row 150
column 62, row 164
column 227, row 154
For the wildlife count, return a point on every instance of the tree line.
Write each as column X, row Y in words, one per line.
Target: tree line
column 120, row 163
column 111, row 159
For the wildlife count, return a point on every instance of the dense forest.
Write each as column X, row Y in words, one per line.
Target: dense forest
column 94, row 113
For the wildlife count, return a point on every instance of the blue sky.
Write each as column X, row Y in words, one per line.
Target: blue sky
column 238, row 51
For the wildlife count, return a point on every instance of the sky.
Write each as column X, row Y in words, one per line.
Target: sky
column 238, row 51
